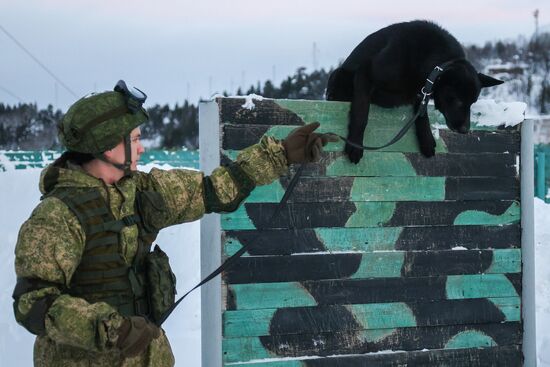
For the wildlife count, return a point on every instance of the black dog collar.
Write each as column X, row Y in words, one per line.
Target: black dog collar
column 432, row 78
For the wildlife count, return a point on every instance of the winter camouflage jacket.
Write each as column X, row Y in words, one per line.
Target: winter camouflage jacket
column 51, row 243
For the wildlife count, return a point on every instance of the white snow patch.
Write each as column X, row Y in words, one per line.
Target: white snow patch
column 249, row 101
column 542, row 284
column 487, row 112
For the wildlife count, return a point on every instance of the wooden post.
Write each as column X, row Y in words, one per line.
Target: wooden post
column 211, row 303
column 529, row 311
column 419, row 256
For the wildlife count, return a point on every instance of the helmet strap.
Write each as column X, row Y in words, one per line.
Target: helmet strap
column 126, row 167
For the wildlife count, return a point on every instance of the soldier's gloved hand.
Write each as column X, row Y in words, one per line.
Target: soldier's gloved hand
column 302, row 145
column 135, row 334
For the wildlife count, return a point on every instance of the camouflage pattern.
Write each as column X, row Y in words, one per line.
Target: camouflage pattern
column 104, row 135
column 51, row 242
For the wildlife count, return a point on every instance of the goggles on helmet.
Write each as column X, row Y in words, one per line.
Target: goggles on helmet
column 134, row 96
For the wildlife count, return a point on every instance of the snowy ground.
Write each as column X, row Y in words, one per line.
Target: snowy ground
column 19, row 194
column 542, row 271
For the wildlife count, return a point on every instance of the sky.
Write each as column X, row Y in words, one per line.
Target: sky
column 177, row 50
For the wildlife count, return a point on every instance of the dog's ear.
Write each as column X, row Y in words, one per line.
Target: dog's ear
column 487, row 81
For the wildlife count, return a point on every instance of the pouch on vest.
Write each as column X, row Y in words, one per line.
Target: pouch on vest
column 152, row 210
column 161, row 282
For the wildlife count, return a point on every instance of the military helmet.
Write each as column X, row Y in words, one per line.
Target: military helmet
column 98, row 122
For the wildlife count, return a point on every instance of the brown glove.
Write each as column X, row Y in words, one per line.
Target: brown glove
column 302, row 145
column 135, row 334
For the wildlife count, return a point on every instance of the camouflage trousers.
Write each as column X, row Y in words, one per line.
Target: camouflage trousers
column 47, row 353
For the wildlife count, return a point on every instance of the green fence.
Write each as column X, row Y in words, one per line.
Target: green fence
column 10, row 160
column 542, row 171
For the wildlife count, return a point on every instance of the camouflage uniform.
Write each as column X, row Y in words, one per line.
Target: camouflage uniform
column 51, row 243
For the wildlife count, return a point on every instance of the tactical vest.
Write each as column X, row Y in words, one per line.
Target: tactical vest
column 102, row 274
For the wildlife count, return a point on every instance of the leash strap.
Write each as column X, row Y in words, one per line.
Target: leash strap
column 230, row 261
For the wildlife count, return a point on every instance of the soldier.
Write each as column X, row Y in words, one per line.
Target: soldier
column 83, row 260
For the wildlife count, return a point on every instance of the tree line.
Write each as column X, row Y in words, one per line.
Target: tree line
column 523, row 64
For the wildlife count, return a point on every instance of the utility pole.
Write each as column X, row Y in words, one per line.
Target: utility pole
column 315, row 52
column 536, row 15
column 55, row 93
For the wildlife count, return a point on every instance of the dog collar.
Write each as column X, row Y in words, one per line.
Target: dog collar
column 432, row 78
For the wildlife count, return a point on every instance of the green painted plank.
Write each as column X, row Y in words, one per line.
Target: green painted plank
column 479, row 286
column 502, row 356
column 373, row 214
column 505, row 261
column 371, row 341
column 372, row 164
column 511, row 215
column 337, row 240
column 295, row 294
column 237, row 219
column 251, row 348
column 373, row 137
column 509, row 306
column 270, row 295
column 390, row 264
column 337, row 114
column 380, row 265
column 247, row 323
column 470, row 339
column 363, row 189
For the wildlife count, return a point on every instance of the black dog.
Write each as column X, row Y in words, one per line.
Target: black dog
column 389, row 69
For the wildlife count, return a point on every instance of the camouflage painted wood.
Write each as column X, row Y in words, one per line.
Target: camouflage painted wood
column 398, row 252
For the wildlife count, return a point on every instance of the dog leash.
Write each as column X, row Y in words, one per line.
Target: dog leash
column 426, row 92
column 231, row 260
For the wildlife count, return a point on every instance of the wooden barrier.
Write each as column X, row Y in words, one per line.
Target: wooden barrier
column 398, row 260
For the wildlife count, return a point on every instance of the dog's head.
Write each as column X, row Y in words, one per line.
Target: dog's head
column 455, row 91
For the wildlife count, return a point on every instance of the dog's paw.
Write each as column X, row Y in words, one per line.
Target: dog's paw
column 354, row 154
column 428, row 150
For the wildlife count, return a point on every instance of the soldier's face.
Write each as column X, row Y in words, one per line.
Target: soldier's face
column 117, row 153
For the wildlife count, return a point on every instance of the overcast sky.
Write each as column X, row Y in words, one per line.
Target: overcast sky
column 173, row 50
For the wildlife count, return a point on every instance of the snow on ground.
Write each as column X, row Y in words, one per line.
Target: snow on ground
column 542, row 276
column 19, row 195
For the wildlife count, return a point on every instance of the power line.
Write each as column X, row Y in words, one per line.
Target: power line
column 38, row 61
column 11, row 94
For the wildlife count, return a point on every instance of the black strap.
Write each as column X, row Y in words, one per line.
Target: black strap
column 229, row 262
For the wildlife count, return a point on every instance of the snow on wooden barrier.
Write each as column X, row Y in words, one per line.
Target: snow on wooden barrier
column 399, row 260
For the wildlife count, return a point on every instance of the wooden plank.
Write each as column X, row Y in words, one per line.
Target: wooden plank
column 335, row 114
column 381, row 290
column 396, row 164
column 334, row 240
column 347, row 318
column 334, row 189
column 371, row 341
column 507, row 356
column 266, row 269
column 372, row 214
column 238, row 137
